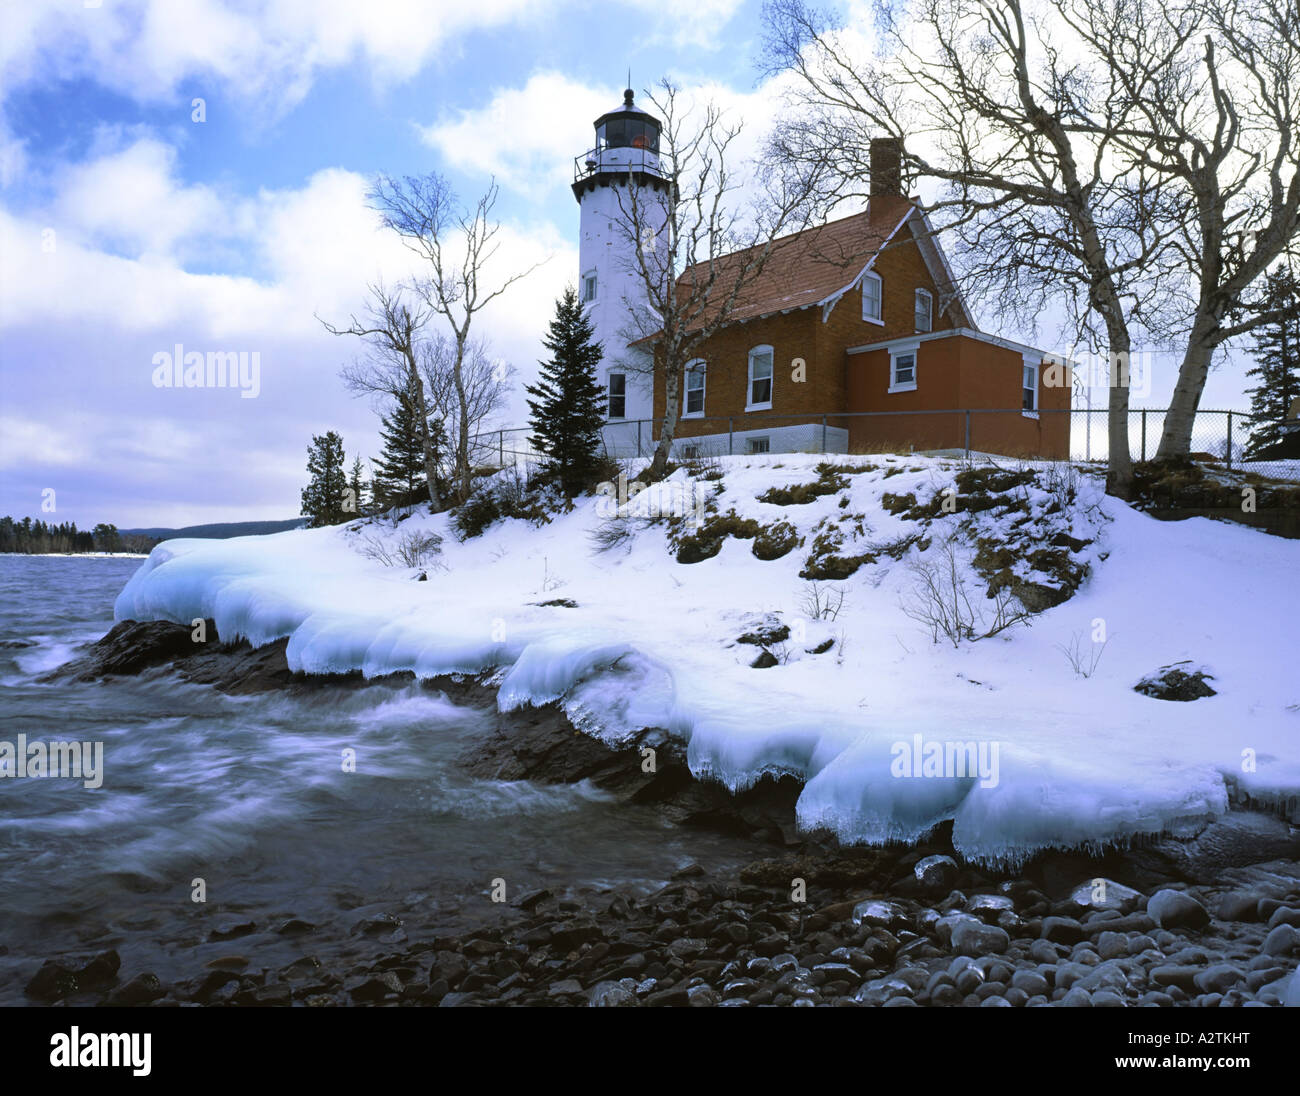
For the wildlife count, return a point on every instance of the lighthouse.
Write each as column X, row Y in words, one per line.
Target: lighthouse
column 620, row 172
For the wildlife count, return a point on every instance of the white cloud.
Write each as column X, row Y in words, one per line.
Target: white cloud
column 527, row 137
column 267, row 48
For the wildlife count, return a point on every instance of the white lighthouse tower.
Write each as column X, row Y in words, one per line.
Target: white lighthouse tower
column 621, row 171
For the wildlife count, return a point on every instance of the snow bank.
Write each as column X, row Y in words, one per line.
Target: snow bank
column 1035, row 755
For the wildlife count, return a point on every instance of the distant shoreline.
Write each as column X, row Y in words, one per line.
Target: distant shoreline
column 81, row 555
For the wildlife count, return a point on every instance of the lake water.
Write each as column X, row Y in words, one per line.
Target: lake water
column 249, row 795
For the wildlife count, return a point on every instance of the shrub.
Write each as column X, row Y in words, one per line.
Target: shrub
column 505, row 496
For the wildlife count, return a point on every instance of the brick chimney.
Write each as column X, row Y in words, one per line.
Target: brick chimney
column 886, row 167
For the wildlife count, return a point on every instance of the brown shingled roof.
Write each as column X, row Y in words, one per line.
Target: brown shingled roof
column 807, row 267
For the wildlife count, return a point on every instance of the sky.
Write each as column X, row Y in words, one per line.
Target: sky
column 193, row 174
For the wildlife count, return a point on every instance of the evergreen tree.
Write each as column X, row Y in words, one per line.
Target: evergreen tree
column 323, row 497
column 399, row 478
column 1277, row 362
column 105, row 537
column 568, row 405
column 357, row 486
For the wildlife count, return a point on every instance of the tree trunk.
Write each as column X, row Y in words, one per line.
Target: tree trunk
column 659, row 465
column 462, row 435
column 1119, row 471
column 421, row 409
column 1176, row 438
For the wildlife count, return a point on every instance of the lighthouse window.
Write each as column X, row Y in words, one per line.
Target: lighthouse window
column 588, row 287
column 617, row 395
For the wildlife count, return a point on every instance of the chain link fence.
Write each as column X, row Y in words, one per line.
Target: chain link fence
column 1230, row 441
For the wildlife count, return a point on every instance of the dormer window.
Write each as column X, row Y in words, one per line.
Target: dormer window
column 924, row 310
column 589, row 287
column 872, row 297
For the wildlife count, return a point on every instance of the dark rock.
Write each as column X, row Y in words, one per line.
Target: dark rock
column 765, row 660
column 231, row 928
column 131, row 646
column 372, row 987
column 768, row 631
column 1282, row 940
column 101, row 970
column 936, row 874
column 1174, row 909
column 52, row 982
column 974, row 938
column 1171, row 683
column 1061, row 930
column 140, row 990
column 295, row 927
column 1182, row 977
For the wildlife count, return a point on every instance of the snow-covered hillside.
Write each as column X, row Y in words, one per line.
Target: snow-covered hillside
column 633, row 638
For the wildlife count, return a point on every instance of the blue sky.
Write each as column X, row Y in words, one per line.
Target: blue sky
column 127, row 227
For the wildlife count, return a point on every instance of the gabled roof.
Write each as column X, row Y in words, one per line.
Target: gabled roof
column 819, row 265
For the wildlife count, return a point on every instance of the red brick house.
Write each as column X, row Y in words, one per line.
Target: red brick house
column 862, row 315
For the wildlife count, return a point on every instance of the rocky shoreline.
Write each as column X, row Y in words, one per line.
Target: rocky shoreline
column 1208, row 919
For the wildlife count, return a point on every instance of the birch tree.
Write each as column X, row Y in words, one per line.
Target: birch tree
column 456, row 245
column 695, row 244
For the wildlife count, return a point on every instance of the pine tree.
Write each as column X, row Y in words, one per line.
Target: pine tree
column 323, row 498
column 568, row 404
column 399, row 478
column 1277, row 362
column 357, row 486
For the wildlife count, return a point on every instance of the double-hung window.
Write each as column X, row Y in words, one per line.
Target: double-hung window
column 759, row 395
column 693, row 403
column 902, row 368
column 924, row 310
column 617, row 396
column 588, row 287
column 872, row 297
column 1029, row 388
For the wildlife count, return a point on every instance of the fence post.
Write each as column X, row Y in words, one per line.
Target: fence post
column 1144, row 434
column 968, row 437
column 730, row 438
column 1229, row 441
column 823, row 435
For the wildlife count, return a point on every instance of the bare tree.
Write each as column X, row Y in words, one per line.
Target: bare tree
column 1100, row 146
column 1009, row 127
column 456, row 245
column 466, row 388
column 694, row 247
column 1216, row 97
column 394, row 333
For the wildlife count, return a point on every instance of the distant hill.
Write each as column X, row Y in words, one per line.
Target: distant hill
column 221, row 530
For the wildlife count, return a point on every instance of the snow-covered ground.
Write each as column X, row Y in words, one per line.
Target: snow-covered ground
column 652, row 642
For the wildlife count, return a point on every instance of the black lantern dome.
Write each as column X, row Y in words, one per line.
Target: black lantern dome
column 628, row 126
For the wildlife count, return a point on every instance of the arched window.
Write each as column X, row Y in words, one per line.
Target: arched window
column 758, row 395
column 693, row 397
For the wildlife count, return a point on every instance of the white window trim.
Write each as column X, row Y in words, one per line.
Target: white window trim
column 929, row 307
column 609, row 394
column 880, row 282
column 583, row 298
column 749, row 379
column 1033, row 363
column 704, row 372
column 896, row 352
